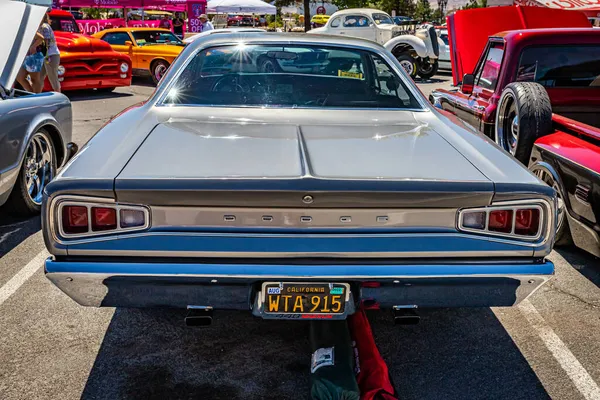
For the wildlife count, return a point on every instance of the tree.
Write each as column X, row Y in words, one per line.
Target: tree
column 437, row 15
column 307, row 15
column 475, row 4
column 423, row 10
column 92, row 13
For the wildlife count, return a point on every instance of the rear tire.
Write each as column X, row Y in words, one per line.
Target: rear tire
column 427, row 70
column 563, row 233
column 524, row 114
column 408, row 63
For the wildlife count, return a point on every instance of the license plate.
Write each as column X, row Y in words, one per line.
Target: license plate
column 305, row 298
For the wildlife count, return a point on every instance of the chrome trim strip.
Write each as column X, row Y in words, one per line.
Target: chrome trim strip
column 336, row 218
column 525, row 252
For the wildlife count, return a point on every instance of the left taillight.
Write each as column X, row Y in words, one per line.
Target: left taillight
column 76, row 219
column 524, row 221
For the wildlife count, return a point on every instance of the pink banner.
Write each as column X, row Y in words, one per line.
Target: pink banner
column 91, row 26
column 144, row 24
column 194, row 10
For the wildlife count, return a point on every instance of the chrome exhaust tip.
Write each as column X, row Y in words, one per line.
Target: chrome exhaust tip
column 198, row 316
column 406, row 315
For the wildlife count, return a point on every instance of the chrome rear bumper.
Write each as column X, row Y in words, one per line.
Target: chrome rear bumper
column 235, row 285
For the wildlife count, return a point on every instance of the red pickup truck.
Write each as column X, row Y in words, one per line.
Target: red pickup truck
column 529, row 79
column 86, row 62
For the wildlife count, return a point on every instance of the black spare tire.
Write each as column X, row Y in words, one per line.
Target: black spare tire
column 524, row 114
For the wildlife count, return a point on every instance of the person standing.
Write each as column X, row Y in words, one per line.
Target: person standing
column 178, row 26
column 32, row 65
column 205, row 24
column 52, row 59
column 165, row 22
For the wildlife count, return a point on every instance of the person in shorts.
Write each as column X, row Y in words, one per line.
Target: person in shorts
column 32, row 65
column 178, row 26
column 52, row 59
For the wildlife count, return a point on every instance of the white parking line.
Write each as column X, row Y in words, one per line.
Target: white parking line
column 578, row 374
column 21, row 277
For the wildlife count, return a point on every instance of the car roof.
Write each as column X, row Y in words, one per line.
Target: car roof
column 133, row 29
column 286, row 38
column 549, row 34
column 362, row 10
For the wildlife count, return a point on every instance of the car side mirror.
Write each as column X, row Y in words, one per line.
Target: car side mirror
column 468, row 83
column 128, row 43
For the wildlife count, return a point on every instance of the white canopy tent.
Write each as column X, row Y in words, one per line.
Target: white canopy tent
column 240, row 6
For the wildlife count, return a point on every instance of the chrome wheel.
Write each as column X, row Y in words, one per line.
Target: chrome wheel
column 159, row 71
column 39, row 166
column 549, row 180
column 508, row 125
column 408, row 66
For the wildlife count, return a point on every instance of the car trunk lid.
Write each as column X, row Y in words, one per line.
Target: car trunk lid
column 188, row 162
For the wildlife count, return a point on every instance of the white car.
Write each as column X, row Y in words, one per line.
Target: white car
column 226, row 30
column 444, row 59
column 418, row 53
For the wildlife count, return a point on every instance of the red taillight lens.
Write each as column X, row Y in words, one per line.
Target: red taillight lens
column 75, row 219
column 527, row 222
column 500, row 221
column 104, row 219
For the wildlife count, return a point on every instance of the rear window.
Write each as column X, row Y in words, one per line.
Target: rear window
column 561, row 66
column 297, row 76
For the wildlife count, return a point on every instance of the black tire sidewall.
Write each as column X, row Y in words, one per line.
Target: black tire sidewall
column 534, row 112
column 428, row 75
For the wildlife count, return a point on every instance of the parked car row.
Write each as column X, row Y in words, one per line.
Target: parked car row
column 417, row 53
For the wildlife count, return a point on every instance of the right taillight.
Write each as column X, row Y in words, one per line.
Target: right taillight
column 87, row 219
column 527, row 222
column 516, row 221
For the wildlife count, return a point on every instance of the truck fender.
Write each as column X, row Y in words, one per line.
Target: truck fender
column 407, row 41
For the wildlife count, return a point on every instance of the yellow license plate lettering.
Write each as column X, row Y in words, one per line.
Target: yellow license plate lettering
column 315, row 301
column 273, row 303
column 286, row 298
column 336, row 303
column 325, row 309
column 298, row 305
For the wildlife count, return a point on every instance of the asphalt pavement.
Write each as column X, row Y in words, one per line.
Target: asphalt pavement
column 51, row 348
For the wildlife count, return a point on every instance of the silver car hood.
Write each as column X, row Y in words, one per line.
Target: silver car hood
column 21, row 21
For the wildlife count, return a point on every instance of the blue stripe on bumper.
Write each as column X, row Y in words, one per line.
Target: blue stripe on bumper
column 301, row 271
